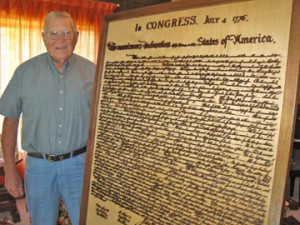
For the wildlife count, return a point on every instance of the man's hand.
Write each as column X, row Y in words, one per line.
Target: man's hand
column 13, row 183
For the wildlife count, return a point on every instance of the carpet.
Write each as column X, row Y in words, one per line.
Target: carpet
column 63, row 217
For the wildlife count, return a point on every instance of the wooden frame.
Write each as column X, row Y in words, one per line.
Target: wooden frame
column 193, row 114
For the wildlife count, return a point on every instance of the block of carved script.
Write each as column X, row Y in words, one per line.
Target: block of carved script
column 188, row 115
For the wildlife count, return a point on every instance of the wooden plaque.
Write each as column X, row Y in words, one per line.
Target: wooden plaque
column 193, row 114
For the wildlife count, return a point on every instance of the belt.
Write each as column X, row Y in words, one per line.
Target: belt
column 61, row 157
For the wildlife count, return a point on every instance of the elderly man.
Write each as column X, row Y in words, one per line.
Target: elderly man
column 52, row 92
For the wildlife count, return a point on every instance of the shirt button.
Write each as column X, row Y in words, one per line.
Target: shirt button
column 59, row 142
column 60, row 108
column 61, row 92
column 60, row 125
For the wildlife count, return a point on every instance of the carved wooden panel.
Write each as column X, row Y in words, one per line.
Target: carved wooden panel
column 193, row 114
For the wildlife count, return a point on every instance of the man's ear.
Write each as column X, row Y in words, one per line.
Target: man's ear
column 43, row 35
column 77, row 34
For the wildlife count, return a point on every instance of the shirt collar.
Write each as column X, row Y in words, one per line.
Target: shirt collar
column 67, row 63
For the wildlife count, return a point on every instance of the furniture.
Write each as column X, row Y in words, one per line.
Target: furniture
column 295, row 167
column 7, row 202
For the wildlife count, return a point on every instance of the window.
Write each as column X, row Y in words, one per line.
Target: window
column 24, row 42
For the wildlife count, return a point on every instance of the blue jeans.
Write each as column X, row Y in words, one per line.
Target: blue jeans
column 46, row 182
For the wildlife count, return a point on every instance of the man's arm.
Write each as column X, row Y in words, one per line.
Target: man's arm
column 13, row 182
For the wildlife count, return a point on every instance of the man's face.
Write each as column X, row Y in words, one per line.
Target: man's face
column 60, row 39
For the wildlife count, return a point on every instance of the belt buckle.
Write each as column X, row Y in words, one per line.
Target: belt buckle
column 52, row 158
column 61, row 157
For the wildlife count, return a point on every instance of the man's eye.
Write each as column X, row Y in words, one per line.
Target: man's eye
column 65, row 34
column 53, row 33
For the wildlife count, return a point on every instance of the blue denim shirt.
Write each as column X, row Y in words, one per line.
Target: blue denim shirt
column 55, row 107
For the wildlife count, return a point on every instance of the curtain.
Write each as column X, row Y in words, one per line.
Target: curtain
column 27, row 15
column 21, row 22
